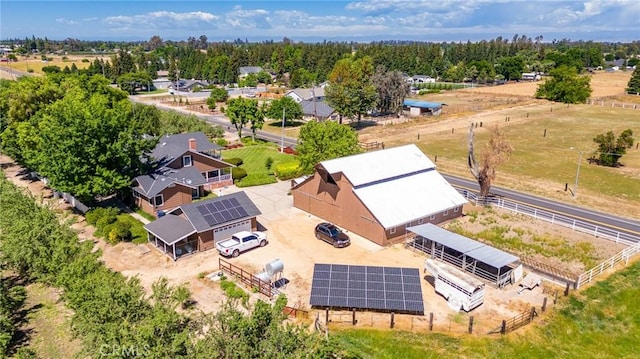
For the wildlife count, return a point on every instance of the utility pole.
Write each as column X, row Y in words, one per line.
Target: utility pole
column 282, row 139
column 575, row 188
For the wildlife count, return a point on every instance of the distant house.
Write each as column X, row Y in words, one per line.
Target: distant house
column 187, row 85
column 420, row 79
column 195, row 227
column 186, row 166
column 379, row 194
column 531, row 76
column 245, row 71
column 317, row 110
column 307, row 94
column 421, row 108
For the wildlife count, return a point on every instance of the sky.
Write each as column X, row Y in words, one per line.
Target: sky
column 310, row 21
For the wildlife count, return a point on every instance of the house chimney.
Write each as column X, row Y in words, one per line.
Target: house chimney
column 192, row 144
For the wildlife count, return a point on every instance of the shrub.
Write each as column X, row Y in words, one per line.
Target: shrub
column 238, row 173
column 85, row 60
column 95, row 215
column 119, row 231
column 222, row 142
column 256, row 179
column 268, row 163
column 234, row 161
column 29, row 70
column 288, row 170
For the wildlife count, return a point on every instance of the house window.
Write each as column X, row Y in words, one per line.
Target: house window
column 213, row 174
column 392, row 230
column 445, row 213
column 186, row 161
column 195, row 193
column 158, row 200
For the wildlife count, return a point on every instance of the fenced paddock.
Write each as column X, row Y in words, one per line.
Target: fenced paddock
column 247, row 278
column 622, row 256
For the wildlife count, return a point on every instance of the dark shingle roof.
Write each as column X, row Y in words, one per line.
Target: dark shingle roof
column 320, row 109
column 153, row 184
column 170, row 228
column 196, row 214
column 171, row 146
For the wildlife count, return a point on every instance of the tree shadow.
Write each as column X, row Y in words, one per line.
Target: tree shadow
column 287, row 124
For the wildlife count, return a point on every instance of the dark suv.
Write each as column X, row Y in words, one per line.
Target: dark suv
column 332, row 235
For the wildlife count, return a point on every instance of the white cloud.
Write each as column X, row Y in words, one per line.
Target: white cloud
column 162, row 19
column 62, row 20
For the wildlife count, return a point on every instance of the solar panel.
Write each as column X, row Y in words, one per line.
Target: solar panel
column 233, row 213
column 235, row 202
column 227, row 216
column 242, row 212
column 219, row 206
column 361, row 287
column 210, row 220
column 211, row 208
column 218, row 217
column 202, row 209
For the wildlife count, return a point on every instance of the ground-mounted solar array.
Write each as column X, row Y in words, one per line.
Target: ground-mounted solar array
column 388, row 289
column 222, row 211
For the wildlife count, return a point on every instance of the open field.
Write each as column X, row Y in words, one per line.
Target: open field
column 35, row 63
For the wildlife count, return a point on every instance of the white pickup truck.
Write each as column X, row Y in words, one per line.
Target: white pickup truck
column 241, row 242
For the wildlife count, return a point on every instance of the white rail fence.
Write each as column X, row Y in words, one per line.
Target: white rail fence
column 555, row 218
column 597, row 231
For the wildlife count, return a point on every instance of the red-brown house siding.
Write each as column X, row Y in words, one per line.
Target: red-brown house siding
column 172, row 197
column 205, row 240
column 201, row 162
column 338, row 204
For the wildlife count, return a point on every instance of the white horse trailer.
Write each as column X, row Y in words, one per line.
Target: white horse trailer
column 461, row 290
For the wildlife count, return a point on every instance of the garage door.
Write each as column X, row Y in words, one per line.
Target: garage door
column 225, row 232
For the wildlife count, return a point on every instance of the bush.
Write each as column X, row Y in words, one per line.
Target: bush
column 268, row 163
column 222, row 142
column 234, row 161
column 238, row 173
column 94, row 215
column 119, row 231
column 256, row 179
column 288, row 170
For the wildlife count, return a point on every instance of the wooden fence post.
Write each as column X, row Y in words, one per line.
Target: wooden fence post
column 326, row 315
column 555, row 298
column 392, row 320
column 503, row 328
column 353, row 318
column 544, row 305
column 431, row 321
column 471, row 324
column 566, row 290
column 533, row 313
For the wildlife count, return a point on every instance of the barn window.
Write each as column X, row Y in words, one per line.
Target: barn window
column 421, row 220
column 456, row 209
column 392, row 230
column 433, row 216
column 445, row 213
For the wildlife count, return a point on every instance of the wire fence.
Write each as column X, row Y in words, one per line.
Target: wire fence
column 614, row 104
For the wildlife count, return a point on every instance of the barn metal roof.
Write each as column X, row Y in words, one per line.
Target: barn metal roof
column 474, row 249
column 421, row 104
column 409, row 198
column 380, row 165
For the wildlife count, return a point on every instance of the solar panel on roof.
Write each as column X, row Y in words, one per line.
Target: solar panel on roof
column 219, row 206
column 226, row 215
column 218, row 217
column 202, row 209
column 235, row 202
column 234, row 213
column 227, row 203
column 361, row 287
column 210, row 220
column 211, row 208
column 242, row 212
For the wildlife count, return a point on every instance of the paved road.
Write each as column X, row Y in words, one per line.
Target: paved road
column 225, row 123
column 626, row 225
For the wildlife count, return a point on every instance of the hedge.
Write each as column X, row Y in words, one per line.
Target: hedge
column 256, row 179
column 288, row 170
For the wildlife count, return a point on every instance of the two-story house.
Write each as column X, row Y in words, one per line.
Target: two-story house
column 186, row 166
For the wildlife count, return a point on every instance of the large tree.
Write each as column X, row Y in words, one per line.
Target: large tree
column 391, row 88
column 351, row 91
column 287, row 107
column 633, row 87
column 218, row 94
column 241, row 111
column 320, row 141
column 610, row 149
column 511, row 67
column 497, row 151
column 565, row 86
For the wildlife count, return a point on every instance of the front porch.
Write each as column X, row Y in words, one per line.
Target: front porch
column 183, row 247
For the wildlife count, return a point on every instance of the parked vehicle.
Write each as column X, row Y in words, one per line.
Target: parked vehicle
column 331, row 234
column 240, row 242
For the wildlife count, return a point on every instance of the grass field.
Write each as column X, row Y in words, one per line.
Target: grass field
column 255, row 157
column 600, row 322
column 35, row 64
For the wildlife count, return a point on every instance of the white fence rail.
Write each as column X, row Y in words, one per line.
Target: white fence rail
column 622, row 256
column 555, row 218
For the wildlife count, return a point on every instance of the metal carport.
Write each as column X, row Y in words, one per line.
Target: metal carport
column 479, row 259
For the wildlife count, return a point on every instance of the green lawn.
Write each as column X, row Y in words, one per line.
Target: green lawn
column 601, row 322
column 138, row 234
column 255, row 157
